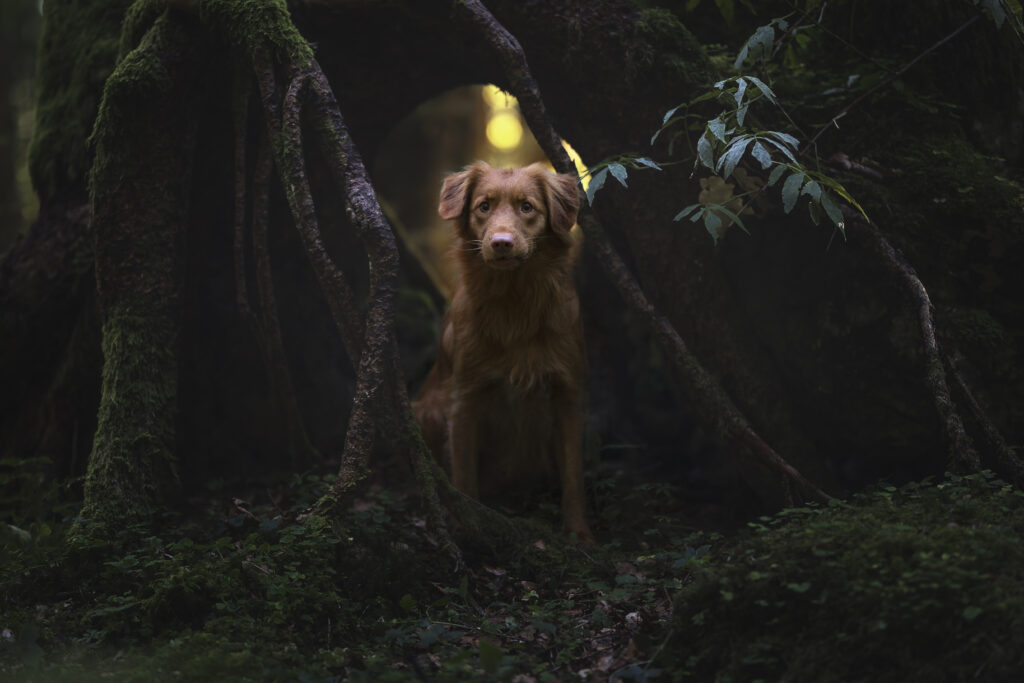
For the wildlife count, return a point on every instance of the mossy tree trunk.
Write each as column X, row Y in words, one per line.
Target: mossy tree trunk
column 140, row 206
column 813, row 344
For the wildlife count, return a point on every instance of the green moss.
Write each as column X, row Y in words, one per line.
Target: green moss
column 259, row 27
column 133, row 458
column 664, row 41
column 139, row 17
column 77, row 51
column 139, row 210
column 925, row 583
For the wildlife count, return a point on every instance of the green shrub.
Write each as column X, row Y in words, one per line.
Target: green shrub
column 923, row 583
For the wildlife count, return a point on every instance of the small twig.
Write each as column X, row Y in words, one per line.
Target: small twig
column 845, row 110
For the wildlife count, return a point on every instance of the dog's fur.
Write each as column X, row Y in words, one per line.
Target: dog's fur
column 502, row 407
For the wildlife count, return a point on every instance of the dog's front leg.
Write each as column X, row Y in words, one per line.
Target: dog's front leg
column 464, row 442
column 567, row 448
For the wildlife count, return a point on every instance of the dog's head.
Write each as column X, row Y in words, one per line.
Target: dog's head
column 505, row 212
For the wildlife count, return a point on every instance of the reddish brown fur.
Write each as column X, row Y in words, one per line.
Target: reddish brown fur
column 503, row 404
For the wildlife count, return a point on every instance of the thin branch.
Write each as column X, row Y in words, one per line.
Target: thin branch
column 845, row 110
column 714, row 405
column 962, row 455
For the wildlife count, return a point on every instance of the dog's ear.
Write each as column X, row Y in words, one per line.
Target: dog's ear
column 563, row 202
column 456, row 189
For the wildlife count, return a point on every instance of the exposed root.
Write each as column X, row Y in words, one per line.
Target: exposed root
column 713, row 404
column 281, row 383
column 962, row 456
column 1006, row 460
column 267, row 330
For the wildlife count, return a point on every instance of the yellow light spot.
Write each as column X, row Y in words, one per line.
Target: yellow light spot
column 581, row 167
column 496, row 98
column 504, row 130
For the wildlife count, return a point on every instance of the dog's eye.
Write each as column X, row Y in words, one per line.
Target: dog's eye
column 485, row 206
column 527, row 207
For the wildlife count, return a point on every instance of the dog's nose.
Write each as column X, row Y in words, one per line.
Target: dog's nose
column 502, row 242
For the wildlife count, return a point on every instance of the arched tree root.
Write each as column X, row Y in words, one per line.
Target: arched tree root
column 962, row 456
column 266, row 329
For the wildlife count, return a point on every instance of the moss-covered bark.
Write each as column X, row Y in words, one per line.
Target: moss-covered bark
column 140, row 192
column 77, row 52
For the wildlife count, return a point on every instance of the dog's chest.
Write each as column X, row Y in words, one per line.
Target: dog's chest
column 518, row 434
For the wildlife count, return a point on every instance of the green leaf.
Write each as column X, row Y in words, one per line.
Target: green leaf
column 19, row 533
column 972, row 613
column 799, row 587
column 786, row 138
column 776, row 174
column 686, row 211
column 619, row 171
column 596, row 183
column 735, row 217
column 831, row 209
column 742, row 56
column 812, row 190
column 733, row 154
column 765, row 90
column 741, row 88
column 710, row 94
column 728, row 10
column 815, row 210
column 717, row 128
column 408, row 603
column 761, row 153
column 647, row 162
column 791, row 190
column 757, row 46
column 692, row 5
column 995, row 9
column 704, row 152
column 782, row 148
column 741, row 113
column 490, row 656
column 712, row 223
column 669, row 113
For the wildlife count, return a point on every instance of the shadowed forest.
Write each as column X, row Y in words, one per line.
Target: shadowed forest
column 223, row 275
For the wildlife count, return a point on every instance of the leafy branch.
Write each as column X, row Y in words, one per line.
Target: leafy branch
column 724, row 143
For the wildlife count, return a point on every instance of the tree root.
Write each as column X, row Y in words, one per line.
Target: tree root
column 962, row 456
column 267, row 329
column 714, row 407
column 1006, row 460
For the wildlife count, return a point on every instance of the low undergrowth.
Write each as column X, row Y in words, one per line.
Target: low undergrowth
column 918, row 583
column 255, row 590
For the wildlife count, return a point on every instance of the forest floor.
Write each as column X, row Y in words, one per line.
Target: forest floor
column 919, row 583
column 241, row 587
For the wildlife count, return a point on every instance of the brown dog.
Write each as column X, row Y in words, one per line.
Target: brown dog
column 502, row 406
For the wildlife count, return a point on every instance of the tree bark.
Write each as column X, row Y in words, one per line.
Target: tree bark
column 140, row 207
